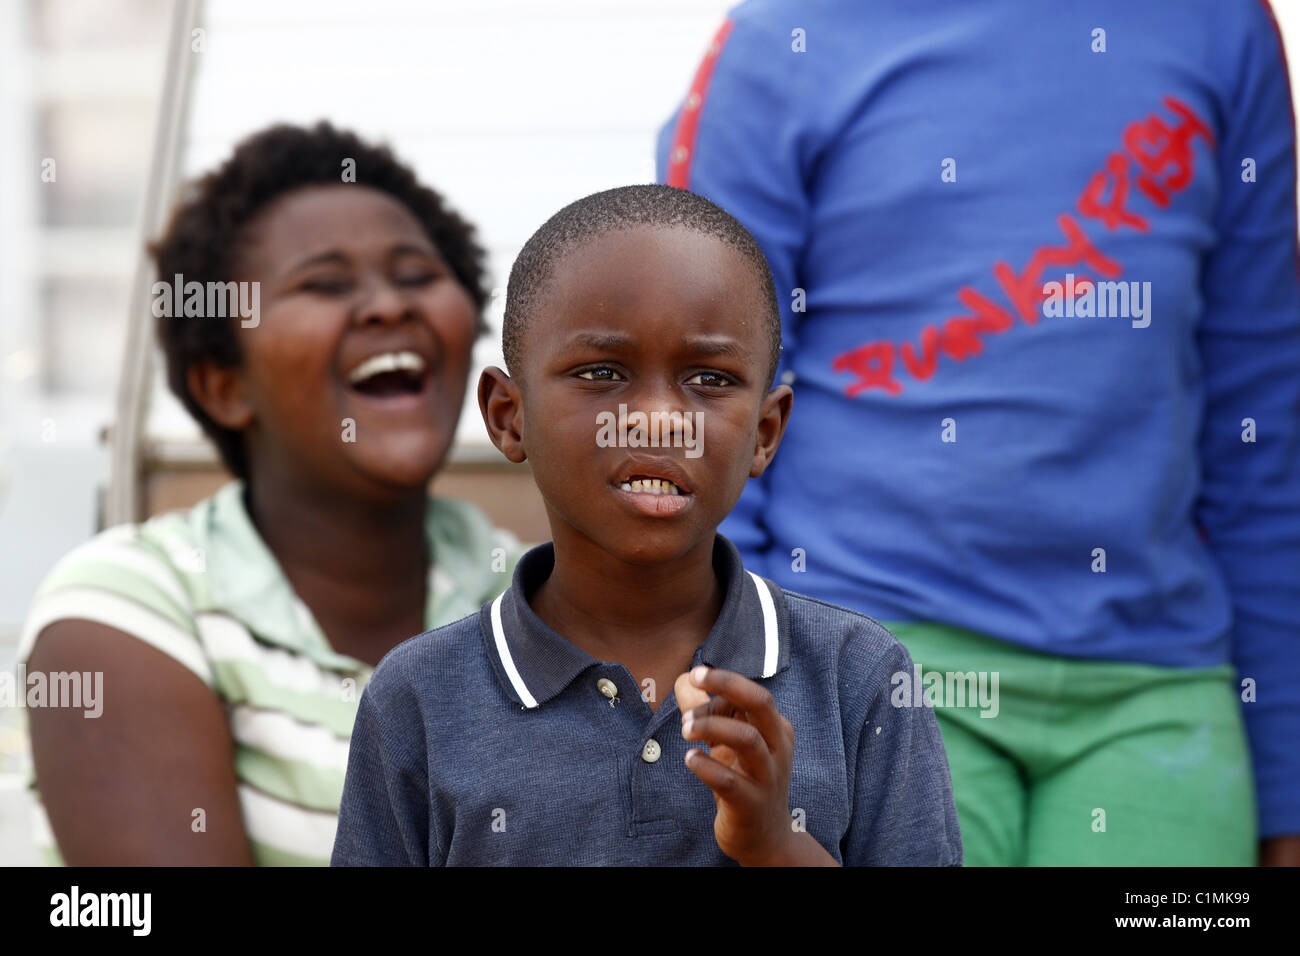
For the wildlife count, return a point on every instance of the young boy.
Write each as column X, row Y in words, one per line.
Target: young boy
column 545, row 729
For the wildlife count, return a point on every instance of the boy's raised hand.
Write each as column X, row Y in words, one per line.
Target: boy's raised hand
column 751, row 751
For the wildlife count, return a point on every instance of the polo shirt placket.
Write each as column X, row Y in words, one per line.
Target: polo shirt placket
column 493, row 741
column 536, row 667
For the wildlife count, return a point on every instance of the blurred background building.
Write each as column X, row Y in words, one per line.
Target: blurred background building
column 511, row 108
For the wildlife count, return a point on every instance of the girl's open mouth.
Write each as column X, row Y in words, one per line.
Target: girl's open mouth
column 389, row 373
column 396, row 378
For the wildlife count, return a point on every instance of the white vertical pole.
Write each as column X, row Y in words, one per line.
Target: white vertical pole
column 124, row 497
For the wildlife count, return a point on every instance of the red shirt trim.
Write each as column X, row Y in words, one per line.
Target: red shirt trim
column 682, row 151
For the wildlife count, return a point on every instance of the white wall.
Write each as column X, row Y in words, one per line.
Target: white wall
column 511, row 109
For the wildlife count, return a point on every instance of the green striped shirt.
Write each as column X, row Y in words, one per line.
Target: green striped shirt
column 201, row 586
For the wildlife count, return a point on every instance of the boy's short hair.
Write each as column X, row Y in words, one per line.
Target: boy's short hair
column 202, row 240
column 612, row 210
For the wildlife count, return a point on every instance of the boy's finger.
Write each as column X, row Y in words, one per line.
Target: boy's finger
column 718, row 706
column 726, row 783
column 741, row 738
column 753, row 699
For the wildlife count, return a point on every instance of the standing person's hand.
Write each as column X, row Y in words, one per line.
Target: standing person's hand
column 748, row 768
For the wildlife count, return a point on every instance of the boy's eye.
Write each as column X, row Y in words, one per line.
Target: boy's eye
column 602, row 373
column 713, row 379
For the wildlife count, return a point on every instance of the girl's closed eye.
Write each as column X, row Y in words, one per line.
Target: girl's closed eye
column 417, row 270
column 327, row 285
column 416, row 278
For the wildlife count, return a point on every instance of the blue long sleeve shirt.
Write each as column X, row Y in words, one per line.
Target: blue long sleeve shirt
column 1038, row 274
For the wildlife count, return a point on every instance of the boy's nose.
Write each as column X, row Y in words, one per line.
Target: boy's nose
column 665, row 412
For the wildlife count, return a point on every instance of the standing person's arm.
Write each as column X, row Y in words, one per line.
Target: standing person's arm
column 740, row 140
column 1250, row 348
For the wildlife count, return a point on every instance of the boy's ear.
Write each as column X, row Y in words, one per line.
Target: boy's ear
column 773, row 416
column 503, row 412
column 219, row 391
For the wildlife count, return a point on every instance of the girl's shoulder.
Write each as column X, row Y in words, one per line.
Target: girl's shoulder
column 144, row 578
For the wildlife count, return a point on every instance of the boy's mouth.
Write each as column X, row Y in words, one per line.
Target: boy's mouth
column 643, row 485
column 654, row 489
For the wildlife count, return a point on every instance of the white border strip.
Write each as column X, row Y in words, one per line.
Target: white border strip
column 499, row 635
column 770, row 640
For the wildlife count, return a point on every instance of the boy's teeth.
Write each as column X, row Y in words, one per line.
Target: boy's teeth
column 653, row 486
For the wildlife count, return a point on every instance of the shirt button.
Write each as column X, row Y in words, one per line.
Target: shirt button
column 651, row 751
column 607, row 687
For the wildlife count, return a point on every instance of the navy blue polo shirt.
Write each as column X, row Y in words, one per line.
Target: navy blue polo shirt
column 496, row 741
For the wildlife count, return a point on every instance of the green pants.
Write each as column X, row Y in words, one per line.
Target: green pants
column 1088, row 763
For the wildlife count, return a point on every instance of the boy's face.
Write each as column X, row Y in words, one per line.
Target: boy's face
column 667, row 323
